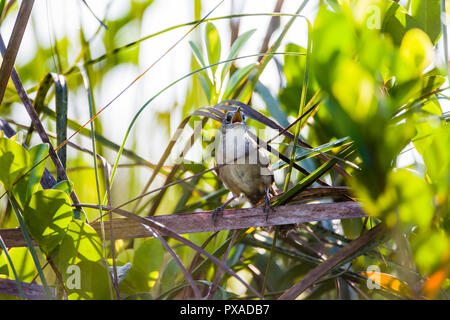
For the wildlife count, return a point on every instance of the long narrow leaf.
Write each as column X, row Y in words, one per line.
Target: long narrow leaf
column 27, row 237
column 310, row 179
column 237, row 45
column 61, row 116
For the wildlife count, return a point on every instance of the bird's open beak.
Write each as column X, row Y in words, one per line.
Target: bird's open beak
column 237, row 116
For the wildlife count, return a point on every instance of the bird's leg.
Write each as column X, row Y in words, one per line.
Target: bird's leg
column 267, row 206
column 219, row 210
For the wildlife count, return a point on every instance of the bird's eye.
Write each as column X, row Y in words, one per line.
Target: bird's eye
column 229, row 116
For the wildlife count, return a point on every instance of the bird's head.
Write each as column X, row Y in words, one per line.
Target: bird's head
column 235, row 118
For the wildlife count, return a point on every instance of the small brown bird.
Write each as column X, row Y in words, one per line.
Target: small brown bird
column 247, row 167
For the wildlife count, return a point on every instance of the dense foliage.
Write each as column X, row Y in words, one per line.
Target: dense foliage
column 369, row 88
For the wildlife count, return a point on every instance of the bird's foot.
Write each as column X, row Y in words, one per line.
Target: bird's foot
column 268, row 207
column 218, row 211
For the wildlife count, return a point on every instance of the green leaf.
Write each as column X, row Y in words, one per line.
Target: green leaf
column 197, row 53
column 416, row 54
column 436, row 139
column 213, row 45
column 80, row 243
column 4, row 267
column 61, row 115
column 237, row 45
column 204, row 77
column 23, row 264
column 146, row 262
column 30, row 183
column 237, row 79
column 66, row 186
column 427, row 13
column 149, row 256
column 2, row 6
column 414, row 199
column 311, row 178
column 169, row 275
column 397, row 22
column 272, row 104
column 47, row 216
column 303, row 153
column 207, row 85
column 94, row 281
column 414, row 89
column 14, row 160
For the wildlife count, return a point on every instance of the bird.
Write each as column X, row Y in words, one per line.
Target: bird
column 243, row 166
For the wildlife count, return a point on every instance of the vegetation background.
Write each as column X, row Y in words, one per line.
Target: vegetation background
column 362, row 86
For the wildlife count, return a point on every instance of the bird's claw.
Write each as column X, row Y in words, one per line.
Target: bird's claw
column 268, row 207
column 218, row 211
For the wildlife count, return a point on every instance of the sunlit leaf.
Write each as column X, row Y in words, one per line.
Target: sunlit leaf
column 66, row 186
column 213, row 45
column 237, row 45
column 237, row 79
column 428, row 15
column 416, row 51
column 30, row 183
column 80, row 243
column 14, row 160
column 389, row 282
column 47, row 216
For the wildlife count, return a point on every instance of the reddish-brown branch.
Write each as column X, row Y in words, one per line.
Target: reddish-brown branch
column 31, row 291
column 126, row 228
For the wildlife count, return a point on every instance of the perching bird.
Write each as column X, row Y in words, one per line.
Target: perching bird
column 247, row 168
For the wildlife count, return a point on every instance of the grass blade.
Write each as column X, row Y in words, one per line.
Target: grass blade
column 298, row 126
column 310, row 179
column 16, row 277
column 30, row 246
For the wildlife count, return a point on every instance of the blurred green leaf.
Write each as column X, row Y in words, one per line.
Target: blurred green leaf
column 428, row 15
column 213, row 45
column 272, row 104
column 198, row 54
column 237, row 45
column 236, row 80
column 414, row 56
column 146, row 262
column 94, row 281
column 397, row 22
column 169, row 275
